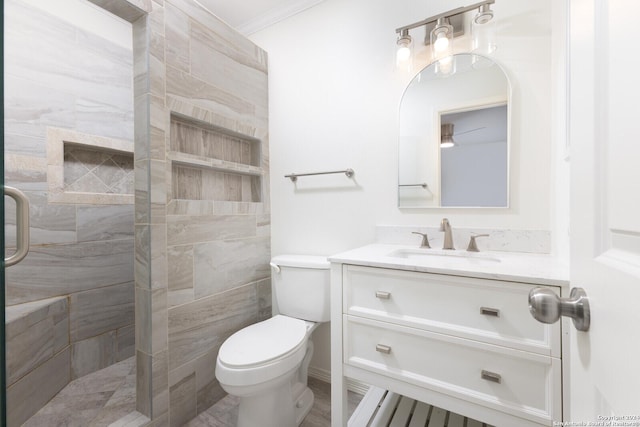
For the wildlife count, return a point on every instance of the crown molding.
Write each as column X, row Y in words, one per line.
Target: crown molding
column 275, row 15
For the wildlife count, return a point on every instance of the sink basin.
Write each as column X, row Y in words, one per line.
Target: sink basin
column 446, row 257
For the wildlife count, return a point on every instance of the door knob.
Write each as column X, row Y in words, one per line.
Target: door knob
column 547, row 307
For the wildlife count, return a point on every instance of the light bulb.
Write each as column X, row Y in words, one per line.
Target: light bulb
column 446, row 144
column 442, row 42
column 403, row 52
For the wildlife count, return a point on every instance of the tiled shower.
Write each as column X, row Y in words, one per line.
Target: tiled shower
column 68, row 146
column 162, row 267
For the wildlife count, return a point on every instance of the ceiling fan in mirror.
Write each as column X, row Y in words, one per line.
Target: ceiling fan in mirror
column 447, row 133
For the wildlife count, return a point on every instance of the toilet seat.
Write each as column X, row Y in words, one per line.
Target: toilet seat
column 263, row 342
column 262, row 351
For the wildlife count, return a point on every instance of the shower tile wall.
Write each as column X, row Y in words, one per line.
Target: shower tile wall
column 203, row 240
column 72, row 298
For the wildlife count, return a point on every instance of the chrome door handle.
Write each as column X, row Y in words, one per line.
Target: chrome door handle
column 547, row 307
column 22, row 226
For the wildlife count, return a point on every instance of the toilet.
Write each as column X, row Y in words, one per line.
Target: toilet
column 265, row 364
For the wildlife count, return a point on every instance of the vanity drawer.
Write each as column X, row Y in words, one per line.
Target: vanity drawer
column 490, row 311
column 519, row 383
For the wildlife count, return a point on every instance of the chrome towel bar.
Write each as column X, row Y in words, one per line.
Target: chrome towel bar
column 294, row 176
column 423, row 185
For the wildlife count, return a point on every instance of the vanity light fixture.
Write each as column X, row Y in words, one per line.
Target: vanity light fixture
column 446, row 135
column 440, row 31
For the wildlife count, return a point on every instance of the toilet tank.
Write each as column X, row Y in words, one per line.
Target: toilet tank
column 301, row 284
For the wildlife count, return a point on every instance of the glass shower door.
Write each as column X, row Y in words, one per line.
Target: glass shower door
column 68, row 145
column 3, row 382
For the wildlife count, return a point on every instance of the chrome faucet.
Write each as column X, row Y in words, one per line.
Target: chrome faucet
column 425, row 239
column 448, row 238
column 473, row 246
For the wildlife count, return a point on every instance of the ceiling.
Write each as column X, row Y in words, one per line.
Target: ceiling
column 249, row 16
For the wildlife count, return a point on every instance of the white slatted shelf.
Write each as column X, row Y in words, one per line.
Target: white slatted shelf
column 381, row 408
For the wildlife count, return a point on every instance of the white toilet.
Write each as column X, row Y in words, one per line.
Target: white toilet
column 265, row 364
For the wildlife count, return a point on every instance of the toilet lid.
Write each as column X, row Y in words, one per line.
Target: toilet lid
column 263, row 341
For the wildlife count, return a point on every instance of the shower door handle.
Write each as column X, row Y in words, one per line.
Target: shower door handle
column 22, row 226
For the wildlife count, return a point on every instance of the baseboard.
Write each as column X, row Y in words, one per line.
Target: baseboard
column 320, row 374
column 324, row 375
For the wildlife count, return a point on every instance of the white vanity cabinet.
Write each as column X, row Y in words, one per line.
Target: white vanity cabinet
column 465, row 344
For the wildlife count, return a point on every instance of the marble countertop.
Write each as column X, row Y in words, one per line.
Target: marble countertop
column 510, row 266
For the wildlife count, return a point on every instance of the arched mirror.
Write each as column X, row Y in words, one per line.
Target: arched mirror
column 454, row 136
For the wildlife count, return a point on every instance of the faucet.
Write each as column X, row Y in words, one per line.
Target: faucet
column 425, row 239
column 448, row 238
column 473, row 246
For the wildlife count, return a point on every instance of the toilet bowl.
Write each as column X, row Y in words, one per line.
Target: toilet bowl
column 262, row 365
column 266, row 364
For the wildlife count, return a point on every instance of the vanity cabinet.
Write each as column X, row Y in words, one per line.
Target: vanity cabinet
column 468, row 345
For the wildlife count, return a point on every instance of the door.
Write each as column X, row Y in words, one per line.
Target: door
column 3, row 383
column 605, row 208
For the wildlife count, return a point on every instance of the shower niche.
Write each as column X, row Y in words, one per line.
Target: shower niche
column 211, row 163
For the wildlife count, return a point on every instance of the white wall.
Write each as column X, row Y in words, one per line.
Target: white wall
column 334, row 96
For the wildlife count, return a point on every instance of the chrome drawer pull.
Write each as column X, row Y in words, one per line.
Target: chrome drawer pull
column 491, row 376
column 384, row 349
column 383, row 294
column 490, row 311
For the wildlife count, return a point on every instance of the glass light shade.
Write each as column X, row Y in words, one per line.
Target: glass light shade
column 483, row 32
column 441, row 40
column 445, row 65
column 404, row 51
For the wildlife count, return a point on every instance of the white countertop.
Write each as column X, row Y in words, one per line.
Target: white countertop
column 509, row 266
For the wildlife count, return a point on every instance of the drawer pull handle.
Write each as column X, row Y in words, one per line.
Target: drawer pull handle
column 490, row 311
column 384, row 349
column 491, row 376
column 383, row 295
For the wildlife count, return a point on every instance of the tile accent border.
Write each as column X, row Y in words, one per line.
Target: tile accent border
column 56, row 138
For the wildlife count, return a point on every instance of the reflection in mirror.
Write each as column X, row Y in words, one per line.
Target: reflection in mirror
column 468, row 112
column 473, row 170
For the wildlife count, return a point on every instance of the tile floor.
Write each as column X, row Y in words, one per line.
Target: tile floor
column 97, row 399
column 105, row 396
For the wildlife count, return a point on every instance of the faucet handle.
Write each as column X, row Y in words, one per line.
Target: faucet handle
column 425, row 239
column 473, row 247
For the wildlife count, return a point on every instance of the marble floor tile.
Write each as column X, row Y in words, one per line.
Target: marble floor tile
column 97, row 399
column 107, row 396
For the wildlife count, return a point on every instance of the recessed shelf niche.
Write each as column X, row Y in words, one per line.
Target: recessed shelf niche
column 88, row 169
column 213, row 163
